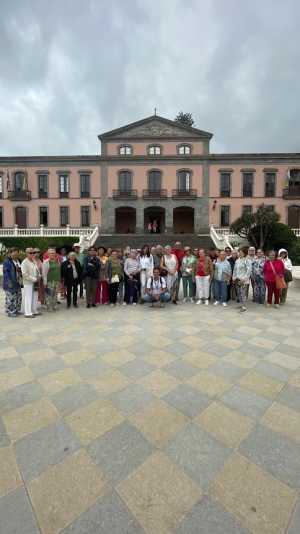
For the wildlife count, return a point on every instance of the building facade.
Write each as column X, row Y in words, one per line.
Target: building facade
column 153, row 170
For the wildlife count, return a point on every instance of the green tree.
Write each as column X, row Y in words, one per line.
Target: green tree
column 185, row 118
column 256, row 227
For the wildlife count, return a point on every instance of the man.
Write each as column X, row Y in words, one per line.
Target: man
column 179, row 253
column 12, row 283
column 30, row 276
column 228, row 253
column 156, row 290
column 252, row 257
column 79, row 257
column 156, row 258
column 91, row 271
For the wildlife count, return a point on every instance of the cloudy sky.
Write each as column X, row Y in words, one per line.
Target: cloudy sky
column 71, row 69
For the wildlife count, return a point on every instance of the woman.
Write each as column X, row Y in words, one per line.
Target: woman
column 188, row 270
column 102, row 296
column 71, row 274
column 91, row 270
column 241, row 276
column 146, row 268
column 204, row 274
column 273, row 275
column 52, row 278
column 12, row 283
column 30, row 276
column 222, row 277
column 40, row 295
column 257, row 277
column 288, row 273
column 115, row 276
column 169, row 264
column 131, row 275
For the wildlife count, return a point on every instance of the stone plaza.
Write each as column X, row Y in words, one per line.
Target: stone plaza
column 133, row 420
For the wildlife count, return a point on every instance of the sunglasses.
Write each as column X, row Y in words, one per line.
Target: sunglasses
column 31, row 252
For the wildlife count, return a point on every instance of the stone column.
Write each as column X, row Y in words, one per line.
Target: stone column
column 140, row 229
column 169, row 218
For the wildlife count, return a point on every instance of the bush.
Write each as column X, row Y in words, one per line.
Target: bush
column 43, row 243
column 280, row 236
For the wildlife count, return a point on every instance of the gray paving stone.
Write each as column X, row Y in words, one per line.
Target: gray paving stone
column 131, row 399
column 92, row 368
column 73, row 397
column 120, row 451
column 187, row 399
column 181, row 370
column 108, row 515
column 179, row 348
column 198, row 454
column 4, row 439
column 290, row 396
column 16, row 514
column 227, row 370
column 48, row 366
column 30, row 347
column 208, row 517
column 10, row 364
column 275, row 453
column 141, row 349
column 137, row 368
column 288, row 349
column 216, row 349
column 46, row 447
column 246, row 402
column 20, row 395
column 294, row 527
column 273, row 371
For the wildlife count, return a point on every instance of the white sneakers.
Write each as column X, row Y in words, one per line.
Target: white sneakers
column 216, row 303
column 206, row 303
column 224, row 304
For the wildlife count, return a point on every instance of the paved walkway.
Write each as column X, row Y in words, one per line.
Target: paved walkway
column 132, row 420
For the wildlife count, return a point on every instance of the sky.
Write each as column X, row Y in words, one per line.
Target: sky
column 72, row 69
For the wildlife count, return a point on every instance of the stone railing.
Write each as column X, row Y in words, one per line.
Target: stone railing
column 43, row 231
column 225, row 237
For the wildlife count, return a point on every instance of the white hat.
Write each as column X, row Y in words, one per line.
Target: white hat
column 76, row 245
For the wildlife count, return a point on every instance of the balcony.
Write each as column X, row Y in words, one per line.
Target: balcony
column 19, row 195
column 184, row 193
column 293, row 191
column 149, row 194
column 131, row 194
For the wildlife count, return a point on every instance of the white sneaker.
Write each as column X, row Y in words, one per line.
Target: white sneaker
column 225, row 304
column 206, row 303
column 216, row 303
column 124, row 304
column 184, row 300
column 134, row 304
column 199, row 302
column 192, row 300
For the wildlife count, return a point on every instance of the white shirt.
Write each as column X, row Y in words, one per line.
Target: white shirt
column 156, row 285
column 146, row 262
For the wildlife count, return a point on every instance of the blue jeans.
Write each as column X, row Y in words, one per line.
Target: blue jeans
column 220, row 290
column 164, row 297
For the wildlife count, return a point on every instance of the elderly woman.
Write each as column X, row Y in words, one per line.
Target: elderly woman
column 188, row 270
column 257, row 277
column 146, row 267
column 273, row 273
column 222, row 277
column 131, row 274
column 169, row 264
column 12, row 283
column 71, row 274
column 204, row 274
column 241, row 276
column 30, row 276
column 115, row 276
column 52, row 278
column 288, row 273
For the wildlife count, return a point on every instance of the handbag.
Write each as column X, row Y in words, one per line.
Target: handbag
column 288, row 277
column 279, row 280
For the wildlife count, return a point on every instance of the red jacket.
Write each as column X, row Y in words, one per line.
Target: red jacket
column 179, row 255
column 269, row 274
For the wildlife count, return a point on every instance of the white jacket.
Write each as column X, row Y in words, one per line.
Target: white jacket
column 29, row 272
column 287, row 262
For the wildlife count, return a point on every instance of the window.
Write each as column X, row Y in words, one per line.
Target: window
column 85, row 215
column 184, row 180
column 64, row 216
column 270, row 184
column 20, row 182
column 125, row 150
column 154, row 181
column 84, row 185
column 154, row 150
column 247, row 210
column 1, row 217
column 225, row 181
column 125, row 181
column 64, row 184
column 248, row 184
column 44, row 215
column 184, row 149
column 1, row 186
column 43, row 186
column 225, row 216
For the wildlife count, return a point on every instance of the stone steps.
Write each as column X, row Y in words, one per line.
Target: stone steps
column 138, row 240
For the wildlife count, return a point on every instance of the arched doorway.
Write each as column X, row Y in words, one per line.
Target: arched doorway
column 294, row 216
column 125, row 220
column 183, row 220
column 21, row 216
column 155, row 214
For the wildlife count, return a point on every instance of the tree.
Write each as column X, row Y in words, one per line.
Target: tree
column 185, row 118
column 256, row 227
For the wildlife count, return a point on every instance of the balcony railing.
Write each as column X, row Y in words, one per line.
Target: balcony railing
column 159, row 193
column 19, row 195
column 131, row 194
column 293, row 191
column 184, row 193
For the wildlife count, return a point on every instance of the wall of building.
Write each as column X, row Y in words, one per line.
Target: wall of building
column 169, row 148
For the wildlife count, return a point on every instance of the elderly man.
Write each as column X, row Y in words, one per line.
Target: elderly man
column 131, row 275
column 30, row 277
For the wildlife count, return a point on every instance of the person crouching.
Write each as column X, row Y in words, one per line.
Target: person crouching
column 156, row 290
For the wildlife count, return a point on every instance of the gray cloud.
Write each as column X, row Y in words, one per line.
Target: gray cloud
column 72, row 69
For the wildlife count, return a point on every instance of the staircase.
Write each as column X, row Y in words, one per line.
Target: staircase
column 138, row 240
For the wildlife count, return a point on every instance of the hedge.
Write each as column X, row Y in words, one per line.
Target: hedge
column 43, row 243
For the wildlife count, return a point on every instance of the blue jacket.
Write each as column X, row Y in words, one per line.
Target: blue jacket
column 10, row 276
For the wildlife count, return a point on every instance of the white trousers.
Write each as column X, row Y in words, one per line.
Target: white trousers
column 202, row 287
column 29, row 299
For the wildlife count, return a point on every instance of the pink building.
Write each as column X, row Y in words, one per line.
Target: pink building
column 153, row 170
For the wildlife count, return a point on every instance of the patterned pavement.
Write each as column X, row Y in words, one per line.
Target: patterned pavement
column 131, row 420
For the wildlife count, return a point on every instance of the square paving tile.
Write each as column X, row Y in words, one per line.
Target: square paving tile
column 273, row 371
column 20, row 395
column 209, row 383
column 131, row 399
column 284, row 360
column 200, row 359
column 73, row 397
column 92, row 368
column 159, row 382
column 274, row 453
column 241, row 359
column 55, row 382
column 246, row 402
column 260, row 384
column 290, row 396
column 187, row 400
column 284, row 420
column 227, row 370
column 137, row 368
column 118, row 357
column 120, row 451
column 12, row 379
column 181, row 369
column 158, row 358
column 108, row 515
column 10, row 477
column 226, row 425
column 208, row 517
column 159, row 422
column 16, row 514
column 43, row 448
column 294, row 380
column 47, row 366
column 109, row 382
column 4, row 439
column 11, row 364
column 59, row 495
column 294, row 527
column 198, row 454
column 260, row 502
column 29, row 418
column 159, row 494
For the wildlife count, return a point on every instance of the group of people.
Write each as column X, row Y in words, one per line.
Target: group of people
column 152, row 275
